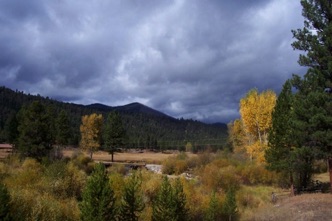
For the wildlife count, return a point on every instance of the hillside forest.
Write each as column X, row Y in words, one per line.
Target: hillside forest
column 145, row 128
column 280, row 147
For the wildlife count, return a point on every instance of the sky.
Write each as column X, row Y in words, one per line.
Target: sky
column 192, row 59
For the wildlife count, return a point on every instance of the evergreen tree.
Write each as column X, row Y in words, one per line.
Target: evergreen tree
column 213, row 212
column 181, row 211
column 63, row 134
column 114, row 133
column 132, row 200
column 11, row 128
column 313, row 100
column 62, row 128
column 229, row 207
column 98, row 200
column 280, row 154
column 163, row 207
column 35, row 138
column 4, row 203
column 170, row 202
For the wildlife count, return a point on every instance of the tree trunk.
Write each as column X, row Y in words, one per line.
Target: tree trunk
column 330, row 171
column 292, row 184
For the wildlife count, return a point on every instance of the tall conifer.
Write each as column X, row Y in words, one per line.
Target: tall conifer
column 98, row 202
column 35, row 139
column 313, row 100
column 132, row 200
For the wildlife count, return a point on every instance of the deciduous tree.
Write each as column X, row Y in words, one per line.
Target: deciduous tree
column 91, row 128
column 237, row 136
column 256, row 115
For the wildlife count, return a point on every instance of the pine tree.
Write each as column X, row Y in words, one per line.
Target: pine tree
column 4, row 203
column 229, row 207
column 280, row 155
column 181, row 211
column 132, row 200
column 11, row 128
column 170, row 202
column 114, row 133
column 163, row 208
column 62, row 126
column 35, row 138
column 313, row 100
column 98, row 202
column 213, row 212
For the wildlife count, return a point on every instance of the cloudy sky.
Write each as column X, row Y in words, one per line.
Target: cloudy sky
column 187, row 58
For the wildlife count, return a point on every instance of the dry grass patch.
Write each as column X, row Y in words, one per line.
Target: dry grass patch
column 146, row 157
column 308, row 207
column 323, row 177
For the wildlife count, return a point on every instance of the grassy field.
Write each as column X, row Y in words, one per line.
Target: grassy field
column 130, row 156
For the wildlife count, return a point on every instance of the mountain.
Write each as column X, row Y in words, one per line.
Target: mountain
column 132, row 108
column 146, row 127
column 141, row 108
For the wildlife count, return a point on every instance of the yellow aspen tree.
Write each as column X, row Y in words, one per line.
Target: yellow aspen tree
column 256, row 115
column 237, row 136
column 91, row 132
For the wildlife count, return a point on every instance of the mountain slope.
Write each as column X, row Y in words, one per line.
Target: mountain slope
column 132, row 108
column 146, row 127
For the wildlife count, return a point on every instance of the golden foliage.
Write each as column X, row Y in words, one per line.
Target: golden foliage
column 91, row 132
column 237, row 136
column 256, row 117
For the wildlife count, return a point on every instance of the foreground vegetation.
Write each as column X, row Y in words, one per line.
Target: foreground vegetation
column 56, row 190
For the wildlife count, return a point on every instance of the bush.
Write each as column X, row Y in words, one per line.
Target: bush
column 83, row 162
column 254, row 174
column 216, row 178
column 168, row 166
column 31, row 205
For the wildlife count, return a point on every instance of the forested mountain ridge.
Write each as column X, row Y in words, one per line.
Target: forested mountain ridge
column 129, row 108
column 146, row 127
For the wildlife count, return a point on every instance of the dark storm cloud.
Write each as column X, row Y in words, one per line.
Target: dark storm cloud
column 188, row 58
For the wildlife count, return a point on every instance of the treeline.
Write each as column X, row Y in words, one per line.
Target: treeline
column 293, row 132
column 144, row 128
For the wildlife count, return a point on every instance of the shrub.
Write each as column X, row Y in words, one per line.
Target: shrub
column 4, row 203
column 216, row 178
column 31, row 205
column 168, row 166
column 254, row 174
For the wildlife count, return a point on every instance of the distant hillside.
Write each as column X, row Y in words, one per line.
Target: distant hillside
column 146, row 127
column 132, row 108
